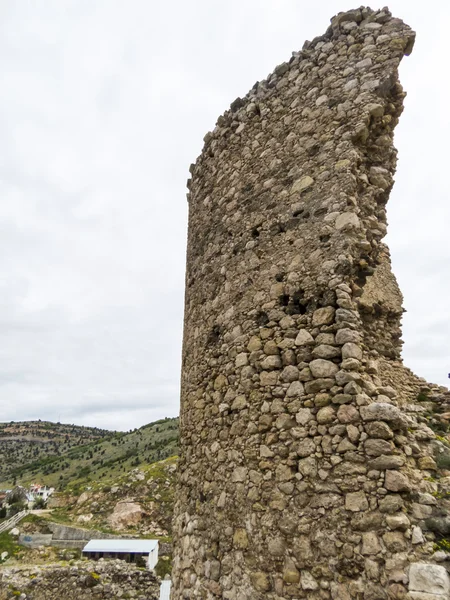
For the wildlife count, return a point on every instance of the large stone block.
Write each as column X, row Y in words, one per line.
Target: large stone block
column 429, row 578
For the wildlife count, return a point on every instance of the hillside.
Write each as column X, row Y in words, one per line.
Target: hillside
column 25, row 442
column 140, row 502
column 63, row 460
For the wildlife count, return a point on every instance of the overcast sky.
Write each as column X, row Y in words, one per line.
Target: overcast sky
column 103, row 106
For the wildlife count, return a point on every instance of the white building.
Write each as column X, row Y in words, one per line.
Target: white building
column 128, row 550
column 39, row 491
column 164, row 590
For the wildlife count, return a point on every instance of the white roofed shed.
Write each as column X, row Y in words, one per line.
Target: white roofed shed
column 125, row 549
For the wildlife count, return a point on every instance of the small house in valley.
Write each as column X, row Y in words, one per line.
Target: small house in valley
column 133, row 551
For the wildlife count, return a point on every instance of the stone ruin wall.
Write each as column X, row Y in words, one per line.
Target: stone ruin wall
column 84, row 580
column 308, row 469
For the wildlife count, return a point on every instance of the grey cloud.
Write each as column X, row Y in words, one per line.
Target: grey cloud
column 104, row 106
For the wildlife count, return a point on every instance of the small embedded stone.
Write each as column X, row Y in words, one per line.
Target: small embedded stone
column 271, row 348
column 375, row 447
column 347, row 413
column 391, row 503
column 347, row 220
column 304, row 338
column 260, row 581
column 347, row 335
column 375, row 110
column 364, row 64
column 285, row 421
column 380, row 411
column 351, row 350
column 426, row 463
column 345, row 446
column 295, row 390
column 302, row 184
column 326, row 415
column 381, row 463
column 379, row 429
column 268, row 377
column 325, row 351
column 370, row 544
column 308, row 582
column 306, row 447
column 220, row 382
column 321, row 368
column 398, row 521
column 271, row 362
column 303, row 416
column 254, row 344
column 394, row 541
column 318, row 385
column 396, row 482
column 290, row 573
column 356, row 501
column 239, row 403
column 241, row 360
column 341, row 165
column 323, row 316
column 239, row 474
column 342, row 398
column 240, row 539
column 289, row 374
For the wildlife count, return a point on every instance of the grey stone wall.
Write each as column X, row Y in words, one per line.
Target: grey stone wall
column 307, row 467
column 102, row 580
column 35, row 540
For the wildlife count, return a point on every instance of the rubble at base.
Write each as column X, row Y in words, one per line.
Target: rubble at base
column 84, row 580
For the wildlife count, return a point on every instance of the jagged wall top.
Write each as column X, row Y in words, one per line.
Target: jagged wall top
column 305, row 466
column 343, row 22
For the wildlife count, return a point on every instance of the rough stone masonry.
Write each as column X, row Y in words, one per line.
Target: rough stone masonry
column 308, row 469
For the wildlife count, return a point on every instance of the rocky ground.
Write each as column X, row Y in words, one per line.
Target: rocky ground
column 140, row 502
column 82, row 580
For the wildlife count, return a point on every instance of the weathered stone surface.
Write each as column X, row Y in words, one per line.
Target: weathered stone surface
column 429, row 578
column 356, row 501
column 286, row 220
column 380, row 411
column 100, row 580
column 396, row 482
column 304, row 338
column 125, row 514
column 321, row 368
column 323, row 316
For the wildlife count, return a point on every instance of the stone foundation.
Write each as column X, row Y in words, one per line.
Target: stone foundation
column 307, row 469
column 82, row 581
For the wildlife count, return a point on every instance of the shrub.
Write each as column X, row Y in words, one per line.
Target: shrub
column 443, row 461
column 39, row 503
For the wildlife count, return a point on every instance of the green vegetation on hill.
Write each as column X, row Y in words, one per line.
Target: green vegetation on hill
column 98, row 457
column 31, row 441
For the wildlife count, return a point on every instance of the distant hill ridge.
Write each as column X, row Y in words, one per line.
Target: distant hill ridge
column 58, row 454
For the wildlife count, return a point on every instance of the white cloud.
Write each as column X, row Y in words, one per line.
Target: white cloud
column 104, row 105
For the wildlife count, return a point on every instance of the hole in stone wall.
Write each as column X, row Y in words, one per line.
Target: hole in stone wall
column 261, row 318
column 255, row 233
column 214, row 335
column 284, row 300
column 320, row 211
column 280, row 276
column 291, row 224
column 295, row 304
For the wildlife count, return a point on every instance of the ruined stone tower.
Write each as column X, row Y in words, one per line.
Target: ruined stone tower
column 307, row 467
